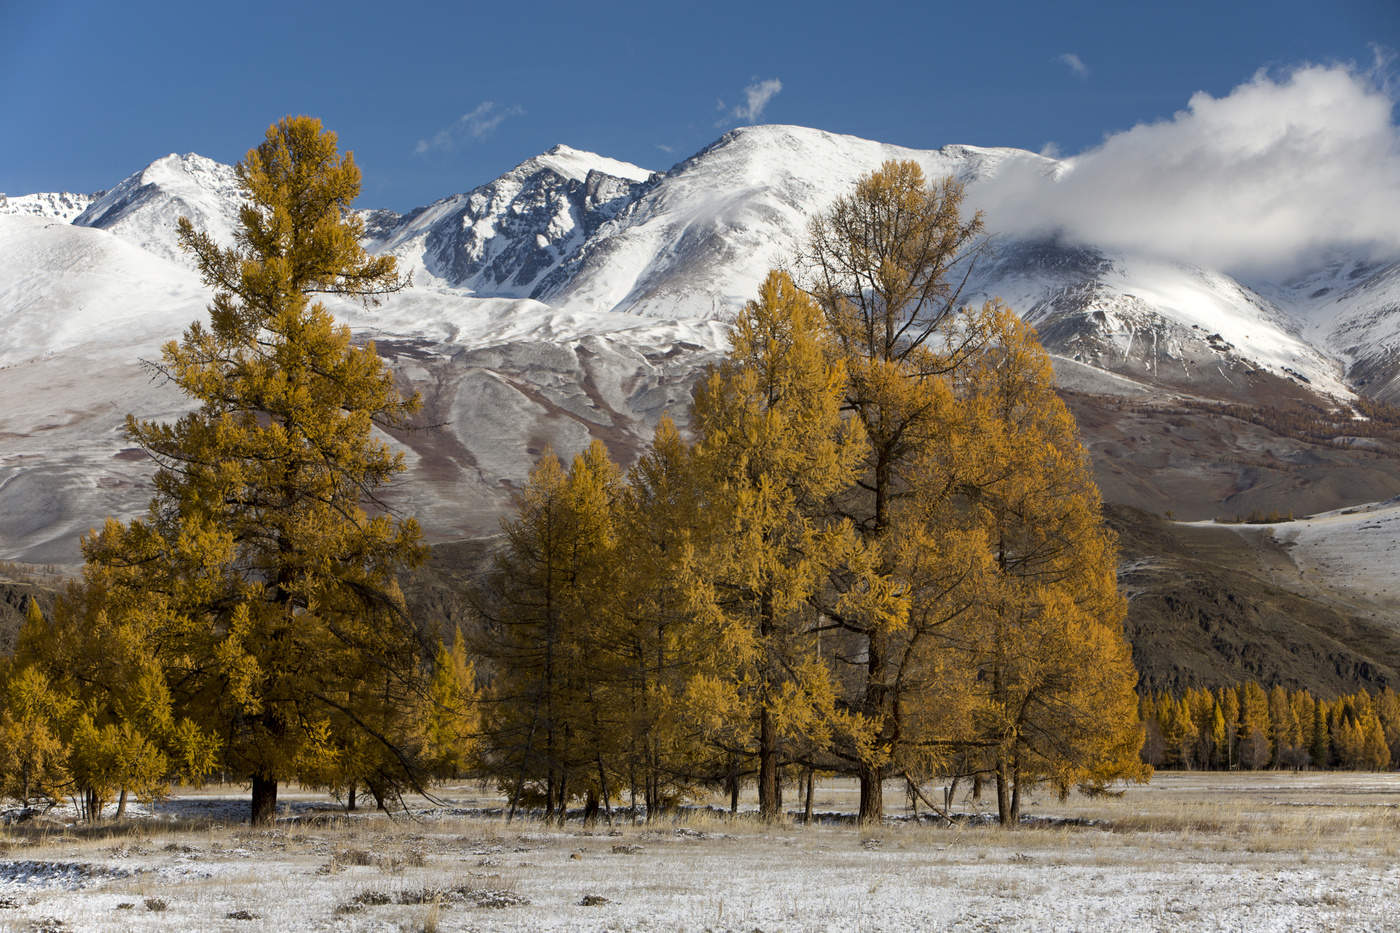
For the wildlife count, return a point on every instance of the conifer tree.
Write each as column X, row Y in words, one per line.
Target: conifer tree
column 545, row 728
column 1218, row 736
column 450, row 719
column 1320, row 745
column 665, row 655
column 1045, row 632
column 1229, row 700
column 1254, row 726
column 283, row 630
column 1388, row 709
column 772, row 450
column 33, row 756
column 887, row 264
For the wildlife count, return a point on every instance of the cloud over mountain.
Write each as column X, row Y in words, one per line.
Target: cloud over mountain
column 1281, row 165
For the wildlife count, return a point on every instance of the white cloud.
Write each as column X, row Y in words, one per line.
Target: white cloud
column 1074, row 63
column 478, row 124
column 1282, row 165
column 756, row 98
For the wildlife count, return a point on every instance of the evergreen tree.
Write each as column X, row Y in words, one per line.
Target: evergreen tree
column 1319, row 747
column 282, row 629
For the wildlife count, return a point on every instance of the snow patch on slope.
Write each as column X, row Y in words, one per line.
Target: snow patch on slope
column 1354, row 550
column 63, row 287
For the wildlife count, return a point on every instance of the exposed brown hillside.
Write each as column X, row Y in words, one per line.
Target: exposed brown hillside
column 1199, row 461
column 1206, row 608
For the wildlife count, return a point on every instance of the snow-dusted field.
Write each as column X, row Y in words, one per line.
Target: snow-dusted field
column 1245, row 852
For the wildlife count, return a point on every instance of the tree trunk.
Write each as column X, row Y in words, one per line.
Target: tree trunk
column 807, row 807
column 350, row 798
column 1003, row 793
column 872, row 797
column 121, row 804
column 734, row 791
column 872, row 783
column 264, row 812
column 767, row 766
column 376, row 791
column 564, row 797
column 603, row 782
column 590, row 807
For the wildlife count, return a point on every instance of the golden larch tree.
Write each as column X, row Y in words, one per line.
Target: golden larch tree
column 887, row 264
column 773, row 449
column 1055, row 679
column 283, row 631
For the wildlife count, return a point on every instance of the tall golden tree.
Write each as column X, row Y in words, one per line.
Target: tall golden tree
column 773, row 449
column 659, row 645
column 887, row 264
column 545, row 729
column 1055, row 682
column 284, row 631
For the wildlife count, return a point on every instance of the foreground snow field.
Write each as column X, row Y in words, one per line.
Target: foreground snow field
column 1267, row 851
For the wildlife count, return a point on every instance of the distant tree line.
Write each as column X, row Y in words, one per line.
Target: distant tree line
column 1248, row 727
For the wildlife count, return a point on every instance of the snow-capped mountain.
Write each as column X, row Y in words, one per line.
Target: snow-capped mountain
column 53, row 205
column 505, row 237
column 699, row 241
column 143, row 208
column 577, row 296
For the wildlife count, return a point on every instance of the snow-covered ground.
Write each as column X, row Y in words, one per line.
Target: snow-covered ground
column 1354, row 550
column 1267, row 851
column 1350, row 554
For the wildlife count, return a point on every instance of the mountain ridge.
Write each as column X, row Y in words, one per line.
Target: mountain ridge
column 576, row 296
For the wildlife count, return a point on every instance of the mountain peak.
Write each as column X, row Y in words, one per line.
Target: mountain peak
column 146, row 205
column 577, row 163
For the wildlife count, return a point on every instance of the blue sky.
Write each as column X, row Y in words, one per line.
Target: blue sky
column 435, row 100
